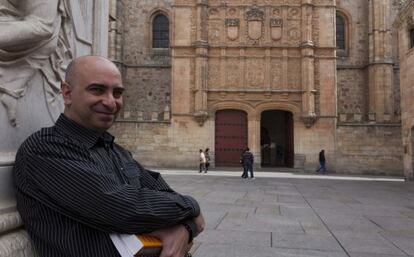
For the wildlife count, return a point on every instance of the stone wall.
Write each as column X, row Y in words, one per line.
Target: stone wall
column 359, row 91
column 369, row 149
column 157, row 144
column 147, row 93
column 405, row 24
column 352, row 94
column 146, row 71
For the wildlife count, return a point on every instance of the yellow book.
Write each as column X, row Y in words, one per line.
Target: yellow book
column 136, row 245
column 151, row 246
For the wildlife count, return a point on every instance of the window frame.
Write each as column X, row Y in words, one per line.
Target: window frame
column 154, row 16
column 343, row 52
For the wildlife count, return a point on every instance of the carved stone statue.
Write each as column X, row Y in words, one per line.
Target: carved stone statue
column 38, row 38
column 33, row 40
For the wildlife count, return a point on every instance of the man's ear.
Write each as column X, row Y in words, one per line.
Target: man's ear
column 66, row 90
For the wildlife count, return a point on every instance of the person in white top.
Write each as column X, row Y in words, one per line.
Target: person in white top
column 203, row 161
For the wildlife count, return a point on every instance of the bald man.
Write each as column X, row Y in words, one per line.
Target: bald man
column 75, row 186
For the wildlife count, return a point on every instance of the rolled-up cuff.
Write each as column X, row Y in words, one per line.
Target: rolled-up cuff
column 194, row 204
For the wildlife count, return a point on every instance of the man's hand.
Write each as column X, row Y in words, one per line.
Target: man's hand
column 174, row 241
column 199, row 221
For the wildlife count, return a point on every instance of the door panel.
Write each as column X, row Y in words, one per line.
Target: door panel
column 231, row 137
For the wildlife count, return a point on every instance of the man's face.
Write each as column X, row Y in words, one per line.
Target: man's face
column 95, row 98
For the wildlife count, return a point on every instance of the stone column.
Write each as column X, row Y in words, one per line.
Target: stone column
column 307, row 52
column 380, row 67
column 253, row 131
column 201, row 65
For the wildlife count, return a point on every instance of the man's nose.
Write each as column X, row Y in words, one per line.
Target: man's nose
column 109, row 101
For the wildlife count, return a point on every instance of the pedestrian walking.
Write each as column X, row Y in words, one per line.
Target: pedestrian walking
column 202, row 166
column 207, row 155
column 247, row 160
column 322, row 162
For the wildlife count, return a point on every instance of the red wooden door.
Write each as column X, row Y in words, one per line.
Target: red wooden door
column 231, row 137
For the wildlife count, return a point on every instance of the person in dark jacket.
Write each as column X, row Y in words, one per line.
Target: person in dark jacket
column 322, row 162
column 247, row 162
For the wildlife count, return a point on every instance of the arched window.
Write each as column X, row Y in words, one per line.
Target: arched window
column 160, row 32
column 340, row 32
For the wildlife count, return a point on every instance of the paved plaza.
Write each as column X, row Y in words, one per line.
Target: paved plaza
column 286, row 214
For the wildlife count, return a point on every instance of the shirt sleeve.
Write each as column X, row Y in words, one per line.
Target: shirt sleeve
column 65, row 179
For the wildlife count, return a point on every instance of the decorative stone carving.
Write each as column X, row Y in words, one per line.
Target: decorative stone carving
column 33, row 40
column 213, row 12
column 214, row 32
column 254, row 17
column 233, row 73
column 309, row 120
column 214, row 74
column 232, row 11
column 294, row 13
column 276, row 11
column 200, row 117
column 294, row 34
column 232, row 28
column 255, row 73
column 276, row 28
column 277, row 73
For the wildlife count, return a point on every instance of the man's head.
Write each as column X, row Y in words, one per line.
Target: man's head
column 92, row 92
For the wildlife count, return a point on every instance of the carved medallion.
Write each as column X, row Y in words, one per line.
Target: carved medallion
column 254, row 18
column 276, row 28
column 213, row 12
column 233, row 28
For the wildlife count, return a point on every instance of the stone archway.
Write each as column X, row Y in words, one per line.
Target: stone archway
column 276, row 138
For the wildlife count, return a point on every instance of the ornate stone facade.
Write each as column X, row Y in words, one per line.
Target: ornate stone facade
column 257, row 56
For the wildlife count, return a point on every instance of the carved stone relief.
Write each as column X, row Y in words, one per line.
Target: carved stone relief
column 214, row 31
column 294, row 73
column 233, row 73
column 276, row 28
column 35, row 54
column 214, row 73
column 213, row 12
column 294, row 13
column 232, row 26
column 255, row 17
column 276, row 73
column 232, row 12
column 255, row 73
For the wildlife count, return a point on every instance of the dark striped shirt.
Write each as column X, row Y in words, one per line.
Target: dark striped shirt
column 74, row 186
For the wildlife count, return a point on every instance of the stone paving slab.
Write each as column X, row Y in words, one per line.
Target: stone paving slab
column 372, row 243
column 227, row 250
column 306, row 242
column 298, row 216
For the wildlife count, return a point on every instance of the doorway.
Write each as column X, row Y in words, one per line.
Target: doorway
column 276, row 138
column 230, row 137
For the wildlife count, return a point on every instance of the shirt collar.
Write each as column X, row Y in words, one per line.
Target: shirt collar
column 85, row 136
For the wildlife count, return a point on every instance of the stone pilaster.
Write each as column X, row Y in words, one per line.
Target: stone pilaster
column 380, row 69
column 201, row 64
column 308, row 65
